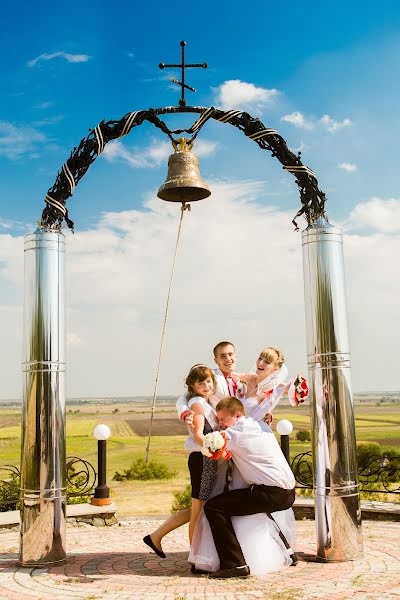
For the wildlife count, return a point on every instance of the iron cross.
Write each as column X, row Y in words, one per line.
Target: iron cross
column 182, row 101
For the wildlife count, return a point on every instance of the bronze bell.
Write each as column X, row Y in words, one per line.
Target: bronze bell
column 183, row 183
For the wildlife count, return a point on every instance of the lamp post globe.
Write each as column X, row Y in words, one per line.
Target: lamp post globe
column 284, row 427
column 101, row 432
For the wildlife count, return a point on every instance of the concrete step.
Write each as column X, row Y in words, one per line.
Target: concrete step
column 84, row 512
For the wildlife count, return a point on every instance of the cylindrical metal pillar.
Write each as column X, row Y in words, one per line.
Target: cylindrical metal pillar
column 337, row 497
column 43, row 494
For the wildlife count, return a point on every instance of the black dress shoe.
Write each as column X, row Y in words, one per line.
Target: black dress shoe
column 198, row 571
column 233, row 572
column 147, row 540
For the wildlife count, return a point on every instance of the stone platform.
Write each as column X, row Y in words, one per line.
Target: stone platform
column 114, row 563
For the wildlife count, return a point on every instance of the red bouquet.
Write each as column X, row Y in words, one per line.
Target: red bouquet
column 298, row 391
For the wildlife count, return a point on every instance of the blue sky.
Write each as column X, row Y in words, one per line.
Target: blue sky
column 325, row 76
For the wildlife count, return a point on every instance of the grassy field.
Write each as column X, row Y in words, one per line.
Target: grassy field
column 129, row 427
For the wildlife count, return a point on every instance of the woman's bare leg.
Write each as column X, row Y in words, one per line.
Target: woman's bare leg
column 173, row 522
column 197, row 505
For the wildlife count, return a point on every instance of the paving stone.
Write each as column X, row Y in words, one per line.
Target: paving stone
column 114, row 563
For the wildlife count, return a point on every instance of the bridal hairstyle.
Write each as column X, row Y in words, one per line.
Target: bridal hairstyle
column 197, row 374
column 272, row 354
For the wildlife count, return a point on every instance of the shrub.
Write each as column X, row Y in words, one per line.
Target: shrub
column 303, row 435
column 366, row 451
column 182, row 499
column 144, row 471
column 9, row 493
column 75, row 484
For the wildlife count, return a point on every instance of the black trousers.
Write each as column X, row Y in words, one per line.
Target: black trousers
column 248, row 501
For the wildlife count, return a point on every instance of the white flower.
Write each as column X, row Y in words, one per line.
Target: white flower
column 212, row 442
column 205, row 452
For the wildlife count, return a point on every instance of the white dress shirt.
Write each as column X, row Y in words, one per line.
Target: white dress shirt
column 257, row 455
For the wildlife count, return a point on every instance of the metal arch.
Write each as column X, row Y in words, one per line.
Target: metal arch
column 312, row 198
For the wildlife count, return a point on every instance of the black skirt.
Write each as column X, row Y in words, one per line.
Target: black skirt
column 202, row 471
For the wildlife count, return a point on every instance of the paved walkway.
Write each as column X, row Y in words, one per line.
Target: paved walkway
column 113, row 563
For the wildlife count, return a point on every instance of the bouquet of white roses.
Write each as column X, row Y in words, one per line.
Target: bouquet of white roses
column 214, row 446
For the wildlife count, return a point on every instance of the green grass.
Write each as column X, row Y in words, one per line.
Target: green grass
column 378, row 423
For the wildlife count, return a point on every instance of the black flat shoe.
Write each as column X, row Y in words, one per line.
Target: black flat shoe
column 234, row 572
column 198, row 571
column 294, row 560
column 147, row 540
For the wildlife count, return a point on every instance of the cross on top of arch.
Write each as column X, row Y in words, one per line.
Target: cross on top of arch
column 183, row 66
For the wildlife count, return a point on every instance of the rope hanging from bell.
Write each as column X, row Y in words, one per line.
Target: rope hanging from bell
column 183, row 184
column 164, row 328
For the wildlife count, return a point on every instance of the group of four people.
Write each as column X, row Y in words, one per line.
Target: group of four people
column 240, row 521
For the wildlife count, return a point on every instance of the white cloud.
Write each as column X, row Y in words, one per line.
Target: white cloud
column 50, row 121
column 73, row 339
column 302, row 147
column 16, row 140
column 5, row 224
column 154, row 154
column 298, row 120
column 12, row 226
column 332, row 126
column 379, row 214
column 238, row 94
column 71, row 58
column 349, row 167
column 238, row 276
column 44, row 105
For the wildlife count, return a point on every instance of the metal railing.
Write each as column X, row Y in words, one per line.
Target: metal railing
column 379, row 474
column 81, row 479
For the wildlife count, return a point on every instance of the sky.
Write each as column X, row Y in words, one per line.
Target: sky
column 326, row 77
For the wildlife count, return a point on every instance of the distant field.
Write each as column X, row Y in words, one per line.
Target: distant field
column 129, row 429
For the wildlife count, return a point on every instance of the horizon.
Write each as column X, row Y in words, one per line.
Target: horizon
column 371, row 393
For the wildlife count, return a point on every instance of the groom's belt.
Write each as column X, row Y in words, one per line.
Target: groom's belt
column 271, row 487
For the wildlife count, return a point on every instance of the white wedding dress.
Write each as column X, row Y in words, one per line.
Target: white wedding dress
column 257, row 534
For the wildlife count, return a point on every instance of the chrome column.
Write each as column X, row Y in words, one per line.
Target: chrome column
column 337, row 497
column 42, row 536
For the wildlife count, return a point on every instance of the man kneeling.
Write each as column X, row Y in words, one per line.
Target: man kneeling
column 262, row 465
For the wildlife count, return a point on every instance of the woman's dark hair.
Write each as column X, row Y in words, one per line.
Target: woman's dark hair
column 197, row 374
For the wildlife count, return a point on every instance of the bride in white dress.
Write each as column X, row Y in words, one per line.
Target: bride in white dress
column 257, row 534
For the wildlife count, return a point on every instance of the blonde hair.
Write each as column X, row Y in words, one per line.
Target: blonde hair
column 197, row 374
column 272, row 354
